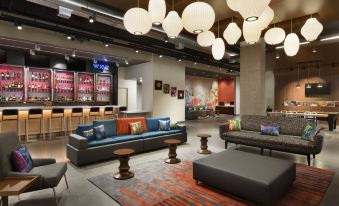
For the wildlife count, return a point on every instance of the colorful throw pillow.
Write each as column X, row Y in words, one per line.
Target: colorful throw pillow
column 99, row 132
column 234, row 125
column 89, row 135
column 164, row 125
column 21, row 159
column 310, row 133
column 270, row 130
column 136, row 128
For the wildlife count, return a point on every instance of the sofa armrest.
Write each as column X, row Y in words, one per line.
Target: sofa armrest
column 223, row 128
column 77, row 141
column 43, row 161
column 318, row 145
column 182, row 128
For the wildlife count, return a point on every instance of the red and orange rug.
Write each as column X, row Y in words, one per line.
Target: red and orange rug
column 157, row 183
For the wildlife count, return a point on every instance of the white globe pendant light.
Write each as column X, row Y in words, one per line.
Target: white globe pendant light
column 291, row 44
column 250, row 10
column 232, row 33
column 137, row 21
column 311, row 29
column 274, row 36
column 218, row 49
column 172, row 24
column 198, row 17
column 157, row 10
column 266, row 17
column 252, row 31
column 206, row 38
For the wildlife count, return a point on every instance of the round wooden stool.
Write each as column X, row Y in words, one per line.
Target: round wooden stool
column 172, row 155
column 124, row 172
column 204, row 140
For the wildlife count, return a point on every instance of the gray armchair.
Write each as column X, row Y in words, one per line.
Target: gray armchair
column 49, row 172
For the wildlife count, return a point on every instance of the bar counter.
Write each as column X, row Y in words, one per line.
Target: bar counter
column 65, row 124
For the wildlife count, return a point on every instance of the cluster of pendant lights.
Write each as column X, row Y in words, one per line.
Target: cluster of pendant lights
column 199, row 17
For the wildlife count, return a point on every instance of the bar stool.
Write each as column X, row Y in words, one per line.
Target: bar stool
column 11, row 115
column 35, row 114
column 76, row 113
column 108, row 111
column 57, row 113
column 94, row 112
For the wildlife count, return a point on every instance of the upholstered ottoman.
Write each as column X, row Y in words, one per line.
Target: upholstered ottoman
column 261, row 180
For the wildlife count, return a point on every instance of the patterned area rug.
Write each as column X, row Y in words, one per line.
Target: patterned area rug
column 160, row 184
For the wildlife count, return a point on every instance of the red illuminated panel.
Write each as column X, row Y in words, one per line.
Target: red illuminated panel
column 85, row 87
column 12, row 83
column 63, row 86
column 39, row 85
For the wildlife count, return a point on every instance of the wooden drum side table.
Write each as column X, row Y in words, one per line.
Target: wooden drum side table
column 172, row 155
column 14, row 186
column 124, row 167
column 204, row 147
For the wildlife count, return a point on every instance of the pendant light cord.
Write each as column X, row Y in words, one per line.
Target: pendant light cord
column 172, row 5
column 298, row 74
column 218, row 29
column 138, row 4
column 291, row 25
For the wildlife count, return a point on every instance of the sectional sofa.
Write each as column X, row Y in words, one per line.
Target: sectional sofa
column 80, row 151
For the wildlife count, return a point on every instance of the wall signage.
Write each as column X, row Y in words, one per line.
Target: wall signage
column 101, row 67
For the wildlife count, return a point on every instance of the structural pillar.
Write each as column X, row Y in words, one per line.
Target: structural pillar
column 252, row 78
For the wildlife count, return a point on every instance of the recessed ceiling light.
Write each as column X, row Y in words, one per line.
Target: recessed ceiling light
column 179, row 60
column 69, row 37
column 160, row 55
column 166, row 39
column 18, row 26
column 126, row 62
column 91, row 19
column 195, row 63
column 314, row 50
column 106, row 44
column 137, row 51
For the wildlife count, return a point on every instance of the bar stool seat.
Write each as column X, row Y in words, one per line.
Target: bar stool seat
column 35, row 114
column 108, row 111
column 57, row 113
column 76, row 113
column 11, row 115
column 94, row 112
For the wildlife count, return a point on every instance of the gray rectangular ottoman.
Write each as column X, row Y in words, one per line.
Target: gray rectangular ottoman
column 261, row 180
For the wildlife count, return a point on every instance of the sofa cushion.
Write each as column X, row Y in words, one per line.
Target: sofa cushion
column 153, row 123
column 81, row 128
column 234, row 125
column 99, row 132
column 110, row 126
column 288, row 126
column 164, row 125
column 123, row 125
column 114, row 140
column 281, row 139
column 135, row 128
column 21, row 159
column 160, row 133
column 269, row 130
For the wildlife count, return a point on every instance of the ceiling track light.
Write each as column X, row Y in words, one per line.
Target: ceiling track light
column 73, row 53
column 95, row 61
column 126, row 62
column 32, row 52
column 137, row 51
column 66, row 57
column 69, row 37
column 179, row 59
column 166, row 39
column 18, row 26
column 298, row 83
column 91, row 19
column 161, row 56
column 314, row 50
column 37, row 47
column 106, row 44
column 195, row 62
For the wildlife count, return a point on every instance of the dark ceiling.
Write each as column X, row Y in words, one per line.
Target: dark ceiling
column 225, row 74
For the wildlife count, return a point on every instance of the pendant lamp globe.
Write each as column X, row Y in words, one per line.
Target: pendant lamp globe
column 232, row 33
column 274, row 36
column 172, row 24
column 218, row 49
column 311, row 29
column 198, row 17
column 157, row 10
column 137, row 21
column 206, row 38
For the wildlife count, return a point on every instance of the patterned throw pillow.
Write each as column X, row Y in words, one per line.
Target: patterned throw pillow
column 310, row 133
column 88, row 134
column 234, row 125
column 99, row 132
column 21, row 159
column 270, row 130
column 136, row 128
column 164, row 125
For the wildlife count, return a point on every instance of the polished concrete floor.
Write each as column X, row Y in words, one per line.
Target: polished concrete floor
column 82, row 192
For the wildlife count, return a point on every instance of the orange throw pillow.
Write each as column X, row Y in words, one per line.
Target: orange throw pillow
column 123, row 127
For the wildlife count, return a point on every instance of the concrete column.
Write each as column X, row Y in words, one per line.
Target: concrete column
column 252, row 78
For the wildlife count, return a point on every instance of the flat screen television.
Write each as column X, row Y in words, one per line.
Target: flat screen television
column 316, row 91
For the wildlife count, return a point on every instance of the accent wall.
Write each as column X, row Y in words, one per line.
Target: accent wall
column 226, row 90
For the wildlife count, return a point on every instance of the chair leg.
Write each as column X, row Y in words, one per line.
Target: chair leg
column 270, row 153
column 26, row 129
column 313, row 156
column 226, row 143
column 309, row 160
column 262, row 151
column 55, row 196
column 66, row 181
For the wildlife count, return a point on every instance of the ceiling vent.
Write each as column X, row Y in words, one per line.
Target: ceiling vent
column 65, row 12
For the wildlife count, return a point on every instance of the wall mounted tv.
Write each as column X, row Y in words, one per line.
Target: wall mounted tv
column 316, row 91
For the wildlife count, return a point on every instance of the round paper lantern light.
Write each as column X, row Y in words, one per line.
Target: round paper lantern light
column 218, row 49
column 137, row 21
column 232, row 4
column 250, row 10
column 266, row 17
column 157, row 10
column 206, row 38
column 232, row 33
column 252, row 31
column 198, row 17
column 291, row 44
column 311, row 29
column 274, row 36
column 172, row 24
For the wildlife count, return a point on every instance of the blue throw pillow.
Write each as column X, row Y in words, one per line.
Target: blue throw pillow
column 270, row 130
column 99, row 132
column 21, row 159
column 81, row 128
column 153, row 123
column 164, row 125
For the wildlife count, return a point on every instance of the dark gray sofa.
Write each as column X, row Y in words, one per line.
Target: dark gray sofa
column 81, row 152
column 289, row 140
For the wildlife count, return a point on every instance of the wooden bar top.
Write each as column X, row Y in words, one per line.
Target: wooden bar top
column 13, row 186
